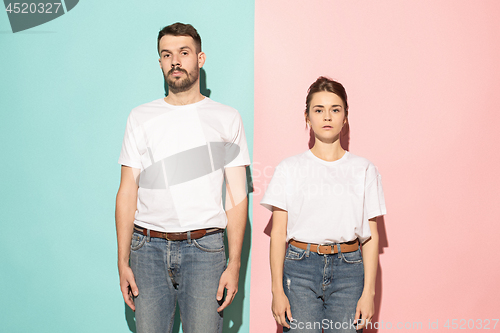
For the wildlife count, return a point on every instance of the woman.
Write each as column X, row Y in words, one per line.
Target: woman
column 324, row 202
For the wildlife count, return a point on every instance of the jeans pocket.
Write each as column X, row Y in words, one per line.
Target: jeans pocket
column 138, row 241
column 210, row 243
column 354, row 257
column 294, row 253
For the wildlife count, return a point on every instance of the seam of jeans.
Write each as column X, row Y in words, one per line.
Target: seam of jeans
column 205, row 249
column 351, row 261
column 138, row 246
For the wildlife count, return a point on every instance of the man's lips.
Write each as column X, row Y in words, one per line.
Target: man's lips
column 177, row 72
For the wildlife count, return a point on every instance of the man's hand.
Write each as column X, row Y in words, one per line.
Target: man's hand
column 128, row 286
column 229, row 281
column 280, row 307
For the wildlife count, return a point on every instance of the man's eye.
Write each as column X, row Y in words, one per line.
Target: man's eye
column 184, row 53
column 166, row 56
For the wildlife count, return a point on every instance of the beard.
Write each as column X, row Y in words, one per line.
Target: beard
column 177, row 84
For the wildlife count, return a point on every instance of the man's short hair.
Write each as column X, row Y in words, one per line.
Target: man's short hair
column 181, row 29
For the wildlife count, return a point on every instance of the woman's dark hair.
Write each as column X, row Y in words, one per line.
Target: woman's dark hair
column 181, row 29
column 326, row 84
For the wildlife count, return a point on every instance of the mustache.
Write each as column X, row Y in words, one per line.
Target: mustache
column 177, row 69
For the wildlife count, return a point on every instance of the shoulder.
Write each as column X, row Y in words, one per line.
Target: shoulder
column 364, row 167
column 150, row 105
column 359, row 161
column 147, row 107
column 294, row 161
column 223, row 109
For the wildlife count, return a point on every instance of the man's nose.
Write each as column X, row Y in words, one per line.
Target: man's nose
column 175, row 62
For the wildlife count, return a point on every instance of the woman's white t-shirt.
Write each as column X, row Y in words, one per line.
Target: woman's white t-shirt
column 327, row 202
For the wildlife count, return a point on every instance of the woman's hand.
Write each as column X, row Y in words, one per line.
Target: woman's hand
column 280, row 306
column 365, row 309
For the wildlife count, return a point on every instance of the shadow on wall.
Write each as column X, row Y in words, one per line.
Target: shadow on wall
column 203, row 84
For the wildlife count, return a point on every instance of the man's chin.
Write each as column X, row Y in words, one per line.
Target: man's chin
column 178, row 87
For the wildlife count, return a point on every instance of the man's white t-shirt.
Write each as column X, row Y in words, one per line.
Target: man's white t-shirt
column 181, row 152
column 327, row 202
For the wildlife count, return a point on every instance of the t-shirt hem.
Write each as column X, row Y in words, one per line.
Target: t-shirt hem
column 129, row 163
column 176, row 229
column 237, row 164
column 380, row 212
column 269, row 205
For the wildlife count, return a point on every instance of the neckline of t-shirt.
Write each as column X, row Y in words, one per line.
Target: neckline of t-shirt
column 316, row 158
column 204, row 100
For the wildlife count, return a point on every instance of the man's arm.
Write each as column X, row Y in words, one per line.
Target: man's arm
column 126, row 205
column 236, row 211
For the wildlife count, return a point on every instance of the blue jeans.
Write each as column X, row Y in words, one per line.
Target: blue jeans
column 323, row 290
column 187, row 272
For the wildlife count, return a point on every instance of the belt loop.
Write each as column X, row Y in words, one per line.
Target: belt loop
column 338, row 248
column 189, row 237
column 148, row 237
column 308, row 249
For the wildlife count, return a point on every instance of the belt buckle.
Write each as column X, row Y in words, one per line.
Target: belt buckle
column 331, row 246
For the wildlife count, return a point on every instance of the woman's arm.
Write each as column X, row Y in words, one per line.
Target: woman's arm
column 280, row 304
column 366, row 305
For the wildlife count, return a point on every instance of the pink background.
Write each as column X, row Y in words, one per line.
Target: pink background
column 422, row 78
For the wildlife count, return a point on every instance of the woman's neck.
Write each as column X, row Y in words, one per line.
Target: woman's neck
column 328, row 151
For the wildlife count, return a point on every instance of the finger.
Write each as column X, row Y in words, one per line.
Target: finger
column 278, row 321
column 220, row 291
column 127, row 297
column 289, row 313
column 223, row 306
column 227, row 301
column 363, row 323
column 357, row 315
column 133, row 287
column 283, row 321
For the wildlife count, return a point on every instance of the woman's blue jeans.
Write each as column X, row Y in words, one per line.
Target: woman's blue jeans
column 323, row 290
column 187, row 272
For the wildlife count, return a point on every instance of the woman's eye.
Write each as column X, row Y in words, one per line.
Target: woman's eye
column 336, row 110
column 317, row 110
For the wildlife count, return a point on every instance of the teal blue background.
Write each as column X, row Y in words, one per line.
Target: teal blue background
column 66, row 89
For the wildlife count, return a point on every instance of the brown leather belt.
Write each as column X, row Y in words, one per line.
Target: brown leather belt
column 176, row 236
column 328, row 249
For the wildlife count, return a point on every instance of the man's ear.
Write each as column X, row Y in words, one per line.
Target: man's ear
column 201, row 59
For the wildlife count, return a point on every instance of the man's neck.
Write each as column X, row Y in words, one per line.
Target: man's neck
column 190, row 96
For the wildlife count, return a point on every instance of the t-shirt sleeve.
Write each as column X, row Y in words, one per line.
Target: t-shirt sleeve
column 374, row 194
column 237, row 146
column 130, row 155
column 276, row 190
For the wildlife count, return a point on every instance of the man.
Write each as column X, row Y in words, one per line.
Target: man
column 177, row 153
